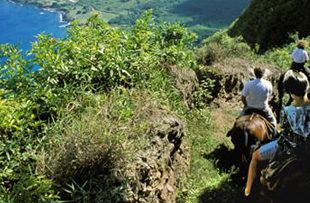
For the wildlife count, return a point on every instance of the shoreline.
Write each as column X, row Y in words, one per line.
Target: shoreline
column 63, row 16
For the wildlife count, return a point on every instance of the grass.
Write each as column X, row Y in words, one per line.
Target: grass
column 212, row 11
column 98, row 144
column 108, row 15
column 203, row 174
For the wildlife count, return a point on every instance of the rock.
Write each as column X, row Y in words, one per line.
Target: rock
column 231, row 74
column 156, row 177
column 186, row 82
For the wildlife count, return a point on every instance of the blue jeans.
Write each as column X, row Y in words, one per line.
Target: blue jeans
column 267, row 151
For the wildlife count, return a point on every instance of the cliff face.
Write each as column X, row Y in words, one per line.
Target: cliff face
column 269, row 23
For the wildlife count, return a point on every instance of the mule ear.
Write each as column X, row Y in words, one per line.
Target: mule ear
column 229, row 133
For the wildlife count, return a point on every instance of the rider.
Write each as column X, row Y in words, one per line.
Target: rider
column 256, row 94
column 300, row 57
column 295, row 124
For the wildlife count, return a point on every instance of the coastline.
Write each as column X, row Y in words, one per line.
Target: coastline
column 63, row 16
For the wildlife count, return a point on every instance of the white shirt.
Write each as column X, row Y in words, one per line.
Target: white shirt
column 300, row 56
column 257, row 92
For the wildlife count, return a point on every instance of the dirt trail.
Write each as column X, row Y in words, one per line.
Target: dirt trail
column 224, row 117
column 230, row 76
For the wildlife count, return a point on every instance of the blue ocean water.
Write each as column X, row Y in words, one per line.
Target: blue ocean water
column 22, row 23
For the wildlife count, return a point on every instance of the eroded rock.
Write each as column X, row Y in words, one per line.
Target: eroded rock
column 156, row 171
column 231, row 74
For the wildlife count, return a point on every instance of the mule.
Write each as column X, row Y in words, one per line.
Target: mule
column 248, row 133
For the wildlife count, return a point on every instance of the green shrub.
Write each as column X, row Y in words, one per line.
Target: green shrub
column 221, row 46
column 18, row 180
column 94, row 58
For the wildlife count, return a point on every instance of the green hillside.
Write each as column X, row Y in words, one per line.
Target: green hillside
column 270, row 23
column 204, row 17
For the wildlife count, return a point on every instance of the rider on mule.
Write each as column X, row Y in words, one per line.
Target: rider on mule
column 256, row 94
column 295, row 125
column 300, row 57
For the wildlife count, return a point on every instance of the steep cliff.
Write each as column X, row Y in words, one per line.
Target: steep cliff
column 269, row 23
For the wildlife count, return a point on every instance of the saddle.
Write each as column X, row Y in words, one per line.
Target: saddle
column 262, row 115
column 250, row 111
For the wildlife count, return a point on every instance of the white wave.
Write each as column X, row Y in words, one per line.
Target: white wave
column 61, row 17
column 65, row 25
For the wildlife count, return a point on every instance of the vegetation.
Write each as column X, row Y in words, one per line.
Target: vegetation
column 47, row 115
column 269, row 23
column 67, row 127
column 220, row 46
column 203, row 17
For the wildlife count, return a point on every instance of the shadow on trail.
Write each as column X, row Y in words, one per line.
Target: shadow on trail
column 227, row 161
column 231, row 190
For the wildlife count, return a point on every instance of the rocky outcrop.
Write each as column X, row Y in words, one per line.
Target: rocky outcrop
column 233, row 73
column 154, row 176
column 186, row 82
column 228, row 76
column 112, row 159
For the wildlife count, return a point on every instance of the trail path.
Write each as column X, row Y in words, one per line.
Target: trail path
column 224, row 117
column 230, row 75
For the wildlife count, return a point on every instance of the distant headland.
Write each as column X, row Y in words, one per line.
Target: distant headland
column 203, row 17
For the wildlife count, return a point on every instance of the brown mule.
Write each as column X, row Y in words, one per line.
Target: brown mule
column 248, row 131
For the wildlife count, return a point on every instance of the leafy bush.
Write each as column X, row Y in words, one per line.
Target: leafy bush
column 94, row 58
column 221, row 46
column 18, row 180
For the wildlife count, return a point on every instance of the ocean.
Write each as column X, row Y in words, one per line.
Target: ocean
column 20, row 24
